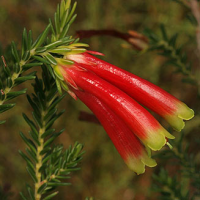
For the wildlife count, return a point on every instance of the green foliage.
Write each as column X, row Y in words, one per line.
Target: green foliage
column 177, row 186
column 31, row 52
column 48, row 165
column 63, row 18
column 169, row 187
column 167, row 47
column 181, row 156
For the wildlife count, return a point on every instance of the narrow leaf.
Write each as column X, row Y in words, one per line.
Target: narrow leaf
column 42, row 188
column 54, row 44
column 51, row 70
column 44, row 61
column 28, row 142
column 23, row 79
column 56, row 184
column 32, row 175
column 24, row 42
column 72, row 19
column 30, row 40
column 50, row 123
column 64, row 31
column 60, row 50
column 2, row 122
column 30, row 123
column 12, row 95
column 22, row 195
column 14, row 52
column 32, row 154
column 51, row 59
column 50, row 196
column 6, row 107
column 52, row 28
column 41, row 38
column 31, row 193
column 72, row 11
column 47, row 133
column 64, row 19
column 40, row 50
column 58, row 86
column 58, row 73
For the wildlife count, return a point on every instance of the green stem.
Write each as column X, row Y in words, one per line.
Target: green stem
column 39, row 158
column 38, row 154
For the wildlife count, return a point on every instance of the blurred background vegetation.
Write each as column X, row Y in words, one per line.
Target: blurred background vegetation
column 103, row 173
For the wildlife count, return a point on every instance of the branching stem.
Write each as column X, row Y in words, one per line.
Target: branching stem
column 13, row 78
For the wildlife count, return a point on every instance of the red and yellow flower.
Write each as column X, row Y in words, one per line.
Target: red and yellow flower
column 113, row 95
column 146, row 93
column 128, row 145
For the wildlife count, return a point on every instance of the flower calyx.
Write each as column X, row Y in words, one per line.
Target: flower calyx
column 57, row 59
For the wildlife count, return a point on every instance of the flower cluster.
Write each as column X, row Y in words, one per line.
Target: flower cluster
column 113, row 95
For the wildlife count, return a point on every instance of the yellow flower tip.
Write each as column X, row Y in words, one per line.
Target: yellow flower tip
column 176, row 122
column 167, row 134
column 155, row 140
column 136, row 165
column 184, row 112
column 148, row 161
column 176, row 119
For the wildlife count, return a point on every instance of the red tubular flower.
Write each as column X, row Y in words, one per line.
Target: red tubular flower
column 146, row 93
column 110, row 92
column 129, row 147
column 138, row 119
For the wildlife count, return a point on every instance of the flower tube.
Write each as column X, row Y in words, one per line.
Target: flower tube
column 138, row 119
column 129, row 147
column 146, row 93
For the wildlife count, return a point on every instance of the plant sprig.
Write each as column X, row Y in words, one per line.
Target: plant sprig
column 169, row 188
column 167, row 47
column 49, row 166
column 35, row 53
column 189, row 170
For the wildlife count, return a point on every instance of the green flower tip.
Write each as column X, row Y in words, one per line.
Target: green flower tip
column 185, row 112
column 138, row 164
column 157, row 139
column 176, row 119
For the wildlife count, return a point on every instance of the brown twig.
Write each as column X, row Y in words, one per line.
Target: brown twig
column 137, row 40
column 4, row 61
column 2, row 92
column 84, row 116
